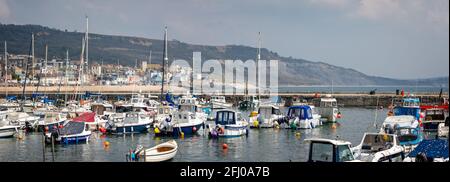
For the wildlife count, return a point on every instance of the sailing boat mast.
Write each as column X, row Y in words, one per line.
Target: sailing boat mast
column 257, row 63
column 32, row 53
column 165, row 60
column 65, row 73
column 45, row 68
column 26, row 72
column 6, row 69
column 80, row 75
column 87, row 43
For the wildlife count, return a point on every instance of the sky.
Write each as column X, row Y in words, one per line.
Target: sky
column 406, row 39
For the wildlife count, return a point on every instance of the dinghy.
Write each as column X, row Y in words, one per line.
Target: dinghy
column 162, row 152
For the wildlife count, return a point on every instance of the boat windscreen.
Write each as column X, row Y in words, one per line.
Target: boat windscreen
column 72, row 128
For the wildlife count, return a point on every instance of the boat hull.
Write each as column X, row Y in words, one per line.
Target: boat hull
column 7, row 133
column 187, row 130
column 142, row 128
column 70, row 139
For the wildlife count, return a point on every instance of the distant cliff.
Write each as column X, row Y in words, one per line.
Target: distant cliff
column 127, row 50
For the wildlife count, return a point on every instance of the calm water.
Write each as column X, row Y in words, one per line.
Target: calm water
column 259, row 145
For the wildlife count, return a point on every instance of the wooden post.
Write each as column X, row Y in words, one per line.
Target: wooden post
column 53, row 148
column 43, row 147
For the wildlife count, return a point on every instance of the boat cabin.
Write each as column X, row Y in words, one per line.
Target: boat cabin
column 101, row 108
column 227, row 117
column 268, row 111
column 123, row 108
column 134, row 117
column 301, row 111
column 218, row 98
column 407, row 106
column 328, row 102
column 434, row 114
column 326, row 150
column 164, row 109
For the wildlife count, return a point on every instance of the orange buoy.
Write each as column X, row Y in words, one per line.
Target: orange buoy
column 333, row 126
column 224, row 146
column 106, row 144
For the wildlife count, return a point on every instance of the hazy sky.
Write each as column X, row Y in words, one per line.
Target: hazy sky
column 391, row 38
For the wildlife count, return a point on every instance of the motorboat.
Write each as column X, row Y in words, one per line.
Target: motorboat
column 133, row 122
column 328, row 109
column 51, row 121
column 22, row 119
column 7, row 130
column 186, row 120
column 228, row 123
column 249, row 103
column 267, row 117
column 432, row 118
column 378, row 147
column 328, row 150
column 301, row 117
column 219, row 102
column 73, row 132
column 407, row 129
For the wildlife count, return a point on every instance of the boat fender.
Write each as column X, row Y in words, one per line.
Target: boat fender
column 194, row 129
column 221, row 130
column 255, row 124
column 157, row 131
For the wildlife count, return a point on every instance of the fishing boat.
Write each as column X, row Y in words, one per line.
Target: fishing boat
column 51, row 120
column 268, row 116
column 249, row 103
column 300, row 117
column 219, row 102
column 187, row 120
column 434, row 150
column 163, row 113
column 328, row 109
column 432, row 118
column 159, row 153
column 73, row 132
column 7, row 130
column 328, row 150
column 378, row 147
column 407, row 129
column 139, row 103
column 228, row 123
column 133, row 122
column 406, row 106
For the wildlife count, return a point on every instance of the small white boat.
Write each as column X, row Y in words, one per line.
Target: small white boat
column 328, row 150
column 300, row 117
column 7, row 130
column 162, row 152
column 329, row 109
column 268, row 116
column 228, row 123
column 378, row 147
column 219, row 102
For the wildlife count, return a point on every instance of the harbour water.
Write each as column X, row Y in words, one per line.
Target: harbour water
column 265, row 145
